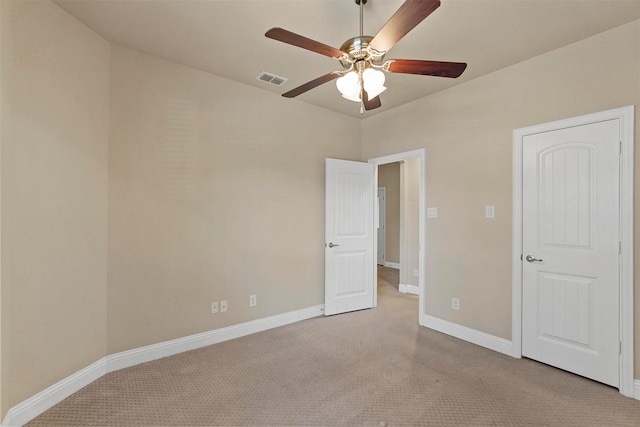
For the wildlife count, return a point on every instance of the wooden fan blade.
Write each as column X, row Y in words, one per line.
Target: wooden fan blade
column 312, row 84
column 426, row 68
column 370, row 104
column 303, row 42
column 410, row 14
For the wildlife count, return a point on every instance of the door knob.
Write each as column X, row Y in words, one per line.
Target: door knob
column 531, row 258
column 332, row 245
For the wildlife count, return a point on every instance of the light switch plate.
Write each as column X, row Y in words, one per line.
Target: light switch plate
column 432, row 212
column 489, row 212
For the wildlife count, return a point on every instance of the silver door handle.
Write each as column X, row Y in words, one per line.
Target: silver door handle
column 531, row 258
column 332, row 245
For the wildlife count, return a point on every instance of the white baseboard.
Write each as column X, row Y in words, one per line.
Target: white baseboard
column 409, row 289
column 392, row 265
column 148, row 353
column 482, row 339
column 37, row 404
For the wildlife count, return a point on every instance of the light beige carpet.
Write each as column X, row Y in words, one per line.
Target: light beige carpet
column 368, row 368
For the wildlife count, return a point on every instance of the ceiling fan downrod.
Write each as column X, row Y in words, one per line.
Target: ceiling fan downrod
column 361, row 3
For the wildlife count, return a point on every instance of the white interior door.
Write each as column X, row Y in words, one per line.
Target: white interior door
column 570, row 272
column 350, row 195
column 381, row 222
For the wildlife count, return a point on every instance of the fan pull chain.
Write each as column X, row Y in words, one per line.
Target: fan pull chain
column 361, row 81
column 359, row 64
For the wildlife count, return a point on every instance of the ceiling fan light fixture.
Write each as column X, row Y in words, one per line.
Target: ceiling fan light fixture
column 372, row 80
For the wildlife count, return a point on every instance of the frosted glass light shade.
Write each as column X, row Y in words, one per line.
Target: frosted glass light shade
column 373, row 82
column 372, row 78
column 375, row 92
column 349, row 86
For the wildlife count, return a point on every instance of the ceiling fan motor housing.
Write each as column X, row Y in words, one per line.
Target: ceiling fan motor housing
column 358, row 50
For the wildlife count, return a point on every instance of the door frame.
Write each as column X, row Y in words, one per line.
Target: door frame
column 419, row 154
column 380, row 220
column 626, row 117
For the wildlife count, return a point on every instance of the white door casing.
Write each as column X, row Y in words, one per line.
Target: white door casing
column 350, row 196
column 381, row 224
column 570, row 243
column 543, row 273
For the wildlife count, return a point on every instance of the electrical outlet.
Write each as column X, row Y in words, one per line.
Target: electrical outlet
column 455, row 303
column 253, row 301
column 223, row 305
column 416, row 273
column 214, row 307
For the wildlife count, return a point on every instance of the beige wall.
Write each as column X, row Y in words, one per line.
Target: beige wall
column 467, row 133
column 216, row 192
column 389, row 178
column 54, row 198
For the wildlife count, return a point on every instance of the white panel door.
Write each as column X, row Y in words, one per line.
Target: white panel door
column 570, row 248
column 350, row 196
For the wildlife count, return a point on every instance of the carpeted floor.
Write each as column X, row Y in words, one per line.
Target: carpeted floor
column 368, row 368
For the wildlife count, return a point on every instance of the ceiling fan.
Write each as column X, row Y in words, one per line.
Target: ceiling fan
column 362, row 57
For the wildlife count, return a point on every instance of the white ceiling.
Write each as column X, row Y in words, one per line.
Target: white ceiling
column 226, row 37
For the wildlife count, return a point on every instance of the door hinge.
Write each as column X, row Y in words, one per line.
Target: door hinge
column 620, row 147
column 619, row 247
column 619, row 347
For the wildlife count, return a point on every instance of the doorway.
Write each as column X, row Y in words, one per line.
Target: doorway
column 389, row 214
column 573, row 187
column 417, row 158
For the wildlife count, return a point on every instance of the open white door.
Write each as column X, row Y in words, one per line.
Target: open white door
column 350, row 196
column 571, row 245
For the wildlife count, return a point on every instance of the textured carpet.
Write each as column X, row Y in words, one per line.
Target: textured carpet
column 368, row 368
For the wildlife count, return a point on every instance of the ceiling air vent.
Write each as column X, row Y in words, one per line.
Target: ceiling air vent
column 271, row 79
